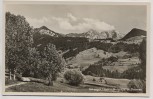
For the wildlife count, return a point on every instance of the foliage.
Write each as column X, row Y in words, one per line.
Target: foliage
column 112, row 59
column 142, row 53
column 120, row 46
column 73, row 77
column 63, row 43
column 133, row 73
column 109, row 47
column 27, row 59
column 107, row 61
column 18, row 40
column 94, row 79
column 44, row 64
column 97, row 70
column 137, row 84
column 50, row 65
column 32, row 70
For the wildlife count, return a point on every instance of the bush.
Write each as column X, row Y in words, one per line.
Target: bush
column 62, row 80
column 73, row 77
column 140, row 85
column 94, row 79
column 113, row 59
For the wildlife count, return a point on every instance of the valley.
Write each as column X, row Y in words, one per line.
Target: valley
column 75, row 62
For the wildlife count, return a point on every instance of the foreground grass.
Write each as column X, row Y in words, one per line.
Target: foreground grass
column 11, row 82
column 58, row 87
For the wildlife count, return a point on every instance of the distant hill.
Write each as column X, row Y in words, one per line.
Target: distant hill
column 93, row 34
column 46, row 31
column 44, row 35
column 134, row 33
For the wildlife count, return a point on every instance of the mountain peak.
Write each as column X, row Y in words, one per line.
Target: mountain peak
column 137, row 30
column 44, row 27
column 94, row 34
column 46, row 31
column 92, row 31
column 134, row 32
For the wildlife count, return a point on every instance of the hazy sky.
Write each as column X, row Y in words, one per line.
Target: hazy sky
column 81, row 18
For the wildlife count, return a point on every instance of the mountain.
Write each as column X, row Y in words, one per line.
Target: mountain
column 43, row 36
column 45, row 31
column 134, row 33
column 93, row 34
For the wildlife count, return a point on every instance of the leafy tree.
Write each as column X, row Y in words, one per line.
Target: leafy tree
column 73, row 77
column 34, row 62
column 18, row 41
column 22, row 57
column 51, row 63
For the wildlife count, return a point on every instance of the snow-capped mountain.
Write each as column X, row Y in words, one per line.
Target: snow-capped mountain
column 44, row 30
column 93, row 34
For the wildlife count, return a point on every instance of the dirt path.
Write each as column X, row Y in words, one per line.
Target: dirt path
column 21, row 83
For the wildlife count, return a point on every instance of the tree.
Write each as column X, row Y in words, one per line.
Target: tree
column 142, row 52
column 73, row 77
column 142, row 57
column 18, row 41
column 34, row 63
column 51, row 63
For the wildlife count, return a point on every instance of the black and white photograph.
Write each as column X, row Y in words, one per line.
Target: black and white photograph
column 76, row 48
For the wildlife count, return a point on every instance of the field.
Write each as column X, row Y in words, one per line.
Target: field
column 58, row 87
column 88, row 86
column 110, row 81
column 120, row 69
column 87, row 57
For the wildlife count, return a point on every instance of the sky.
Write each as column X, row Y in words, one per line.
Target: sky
column 81, row 18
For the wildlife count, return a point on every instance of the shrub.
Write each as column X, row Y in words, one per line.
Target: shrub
column 94, row 79
column 73, row 77
column 137, row 84
column 62, row 80
column 113, row 59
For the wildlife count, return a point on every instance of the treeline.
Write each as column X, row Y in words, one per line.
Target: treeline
column 120, row 46
column 24, row 59
column 106, row 61
column 62, row 43
column 98, row 71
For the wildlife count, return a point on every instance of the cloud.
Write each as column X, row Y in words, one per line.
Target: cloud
column 70, row 24
column 37, row 22
column 82, row 25
column 98, row 25
column 73, row 18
